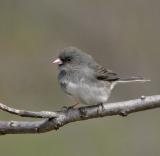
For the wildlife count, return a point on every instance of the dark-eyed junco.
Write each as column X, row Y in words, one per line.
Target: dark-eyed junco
column 84, row 79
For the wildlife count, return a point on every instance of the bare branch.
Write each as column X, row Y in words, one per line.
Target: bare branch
column 24, row 113
column 60, row 118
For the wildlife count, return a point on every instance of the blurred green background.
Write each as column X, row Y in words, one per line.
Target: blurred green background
column 122, row 35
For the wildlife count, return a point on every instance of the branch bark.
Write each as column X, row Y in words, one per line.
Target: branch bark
column 57, row 119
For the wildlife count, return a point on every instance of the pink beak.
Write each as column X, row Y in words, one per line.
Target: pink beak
column 57, row 61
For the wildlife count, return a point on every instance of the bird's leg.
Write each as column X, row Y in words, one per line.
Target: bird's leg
column 73, row 106
column 70, row 107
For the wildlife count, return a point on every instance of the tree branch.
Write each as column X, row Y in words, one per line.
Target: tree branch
column 24, row 113
column 60, row 118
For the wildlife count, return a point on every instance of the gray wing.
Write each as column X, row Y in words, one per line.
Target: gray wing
column 104, row 74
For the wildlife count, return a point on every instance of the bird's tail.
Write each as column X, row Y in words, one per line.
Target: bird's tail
column 133, row 79
column 128, row 80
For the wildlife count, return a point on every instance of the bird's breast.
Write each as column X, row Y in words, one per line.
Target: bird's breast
column 84, row 89
column 88, row 93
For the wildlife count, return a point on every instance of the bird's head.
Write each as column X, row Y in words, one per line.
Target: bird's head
column 72, row 57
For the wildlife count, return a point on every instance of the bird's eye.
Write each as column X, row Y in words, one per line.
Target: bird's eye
column 65, row 60
column 68, row 59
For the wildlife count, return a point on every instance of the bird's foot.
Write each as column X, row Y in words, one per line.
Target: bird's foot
column 100, row 109
column 66, row 108
column 83, row 112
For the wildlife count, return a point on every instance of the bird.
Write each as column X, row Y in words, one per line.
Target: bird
column 86, row 81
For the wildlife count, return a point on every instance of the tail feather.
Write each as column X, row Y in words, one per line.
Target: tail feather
column 133, row 79
column 128, row 80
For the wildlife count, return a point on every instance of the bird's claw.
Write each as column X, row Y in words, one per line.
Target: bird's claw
column 67, row 108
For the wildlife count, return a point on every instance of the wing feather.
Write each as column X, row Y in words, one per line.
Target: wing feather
column 104, row 74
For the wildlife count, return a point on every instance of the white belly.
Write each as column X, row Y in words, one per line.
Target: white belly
column 88, row 94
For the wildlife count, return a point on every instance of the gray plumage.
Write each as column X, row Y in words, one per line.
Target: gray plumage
column 85, row 80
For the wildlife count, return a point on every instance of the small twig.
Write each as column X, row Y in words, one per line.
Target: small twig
column 24, row 113
column 60, row 118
